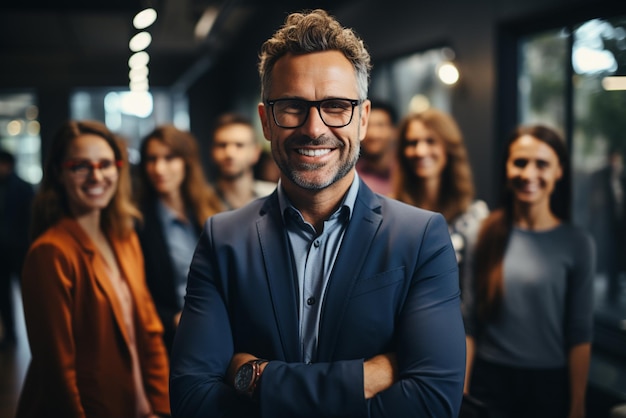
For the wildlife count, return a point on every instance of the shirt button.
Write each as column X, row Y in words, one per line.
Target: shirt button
column 316, row 243
column 310, row 301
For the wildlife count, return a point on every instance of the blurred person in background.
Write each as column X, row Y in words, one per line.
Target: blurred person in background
column 378, row 160
column 235, row 151
column 16, row 196
column 266, row 169
column 94, row 334
column 606, row 221
column 175, row 199
column 529, row 323
column 434, row 173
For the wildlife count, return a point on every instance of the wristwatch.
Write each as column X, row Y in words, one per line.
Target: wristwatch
column 247, row 376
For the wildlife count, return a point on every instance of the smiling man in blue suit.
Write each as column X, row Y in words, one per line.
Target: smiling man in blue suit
column 323, row 299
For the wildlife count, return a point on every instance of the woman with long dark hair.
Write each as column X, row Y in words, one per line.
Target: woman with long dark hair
column 529, row 321
column 175, row 199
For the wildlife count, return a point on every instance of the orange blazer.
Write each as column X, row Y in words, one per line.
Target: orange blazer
column 81, row 363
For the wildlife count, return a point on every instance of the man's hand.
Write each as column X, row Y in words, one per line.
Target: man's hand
column 379, row 373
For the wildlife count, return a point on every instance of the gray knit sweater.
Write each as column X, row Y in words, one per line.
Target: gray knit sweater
column 548, row 300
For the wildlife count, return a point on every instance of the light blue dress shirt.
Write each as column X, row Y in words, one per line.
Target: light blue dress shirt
column 314, row 254
column 181, row 239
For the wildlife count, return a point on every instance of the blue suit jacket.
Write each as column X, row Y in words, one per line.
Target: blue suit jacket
column 394, row 287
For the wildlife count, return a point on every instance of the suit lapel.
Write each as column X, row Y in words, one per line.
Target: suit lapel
column 280, row 275
column 357, row 241
column 101, row 276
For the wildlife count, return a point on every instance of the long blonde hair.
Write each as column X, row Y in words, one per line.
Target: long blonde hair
column 50, row 203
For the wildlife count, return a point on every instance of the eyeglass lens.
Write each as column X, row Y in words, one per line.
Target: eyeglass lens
column 84, row 167
column 293, row 113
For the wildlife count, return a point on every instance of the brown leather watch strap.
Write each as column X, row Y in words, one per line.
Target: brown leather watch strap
column 257, row 374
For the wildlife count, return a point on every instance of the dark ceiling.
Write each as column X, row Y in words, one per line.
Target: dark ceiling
column 85, row 42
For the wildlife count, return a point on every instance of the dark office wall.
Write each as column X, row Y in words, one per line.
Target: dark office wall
column 54, row 108
column 231, row 82
column 231, row 79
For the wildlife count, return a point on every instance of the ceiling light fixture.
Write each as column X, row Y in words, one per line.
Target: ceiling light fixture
column 614, row 83
column 144, row 18
column 139, row 100
column 140, row 41
column 140, row 85
column 205, row 23
column 139, row 59
column 138, row 73
column 448, row 73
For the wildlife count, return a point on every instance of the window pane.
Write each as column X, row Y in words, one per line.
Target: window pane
column 542, row 83
column 131, row 115
column 19, row 133
column 411, row 82
column 594, row 50
column 599, row 146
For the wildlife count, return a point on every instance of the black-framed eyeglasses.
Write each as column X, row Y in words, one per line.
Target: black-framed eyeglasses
column 293, row 113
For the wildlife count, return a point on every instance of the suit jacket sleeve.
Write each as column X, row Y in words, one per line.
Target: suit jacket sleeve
column 426, row 333
column 200, row 359
column 429, row 343
column 47, row 287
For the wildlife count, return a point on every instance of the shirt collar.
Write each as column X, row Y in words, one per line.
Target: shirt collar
column 348, row 200
column 165, row 213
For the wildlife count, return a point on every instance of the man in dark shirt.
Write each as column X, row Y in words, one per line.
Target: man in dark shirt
column 378, row 159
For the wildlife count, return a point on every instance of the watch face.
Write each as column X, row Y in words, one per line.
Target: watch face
column 243, row 377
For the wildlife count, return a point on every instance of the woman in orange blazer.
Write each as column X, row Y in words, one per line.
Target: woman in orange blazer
column 94, row 334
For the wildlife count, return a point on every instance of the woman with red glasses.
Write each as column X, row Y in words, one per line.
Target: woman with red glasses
column 94, row 334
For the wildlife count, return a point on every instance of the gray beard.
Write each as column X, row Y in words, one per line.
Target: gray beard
column 344, row 169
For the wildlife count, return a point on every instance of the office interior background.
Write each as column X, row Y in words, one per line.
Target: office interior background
column 559, row 62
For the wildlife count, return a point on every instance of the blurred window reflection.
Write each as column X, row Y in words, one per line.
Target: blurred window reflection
column 19, row 133
column 542, row 81
column 411, row 82
column 132, row 115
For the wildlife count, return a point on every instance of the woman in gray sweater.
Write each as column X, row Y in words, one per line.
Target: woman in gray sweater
column 529, row 316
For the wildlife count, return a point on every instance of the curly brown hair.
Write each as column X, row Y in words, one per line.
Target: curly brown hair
column 314, row 31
